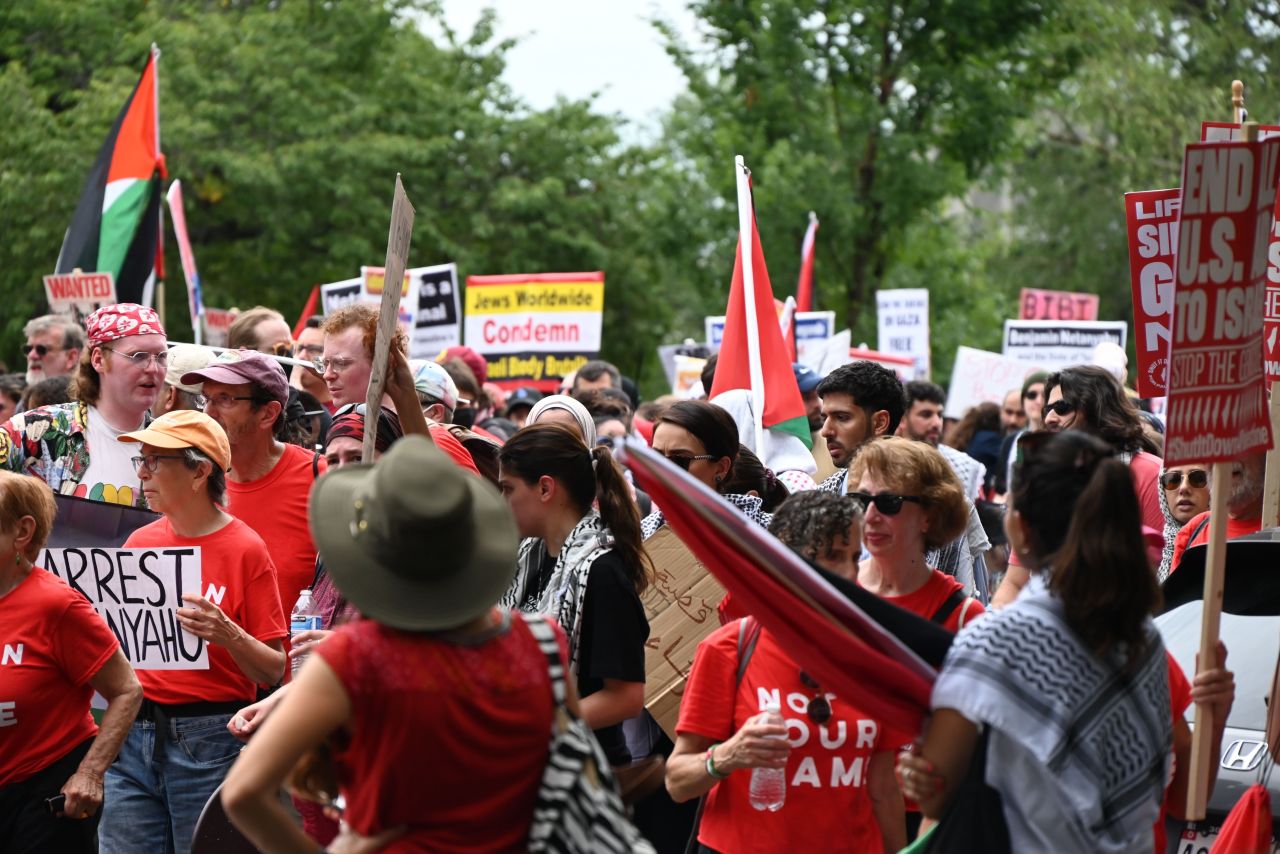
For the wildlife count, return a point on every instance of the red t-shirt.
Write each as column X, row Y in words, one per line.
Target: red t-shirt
column 275, row 507
column 1235, row 528
column 446, row 442
column 449, row 740
column 236, row 575
column 926, row 601
column 827, row 806
column 1144, row 471
column 1179, row 699
column 52, row 643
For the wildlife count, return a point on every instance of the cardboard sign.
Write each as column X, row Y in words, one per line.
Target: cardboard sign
column 437, row 323
column 534, row 329
column 1151, row 220
column 1040, row 304
column 217, row 325
column 902, row 318
column 1057, row 344
column 138, row 593
column 1217, row 397
column 688, row 377
column 979, row 376
column 681, row 606
column 79, row 294
column 399, row 234
column 813, row 330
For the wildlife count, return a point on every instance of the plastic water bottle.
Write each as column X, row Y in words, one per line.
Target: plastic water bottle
column 769, row 785
column 301, row 619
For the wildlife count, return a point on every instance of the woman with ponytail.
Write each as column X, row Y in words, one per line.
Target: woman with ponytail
column 1063, row 695
column 584, row 567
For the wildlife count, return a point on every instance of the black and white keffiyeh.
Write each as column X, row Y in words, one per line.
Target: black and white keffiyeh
column 1100, row 733
column 750, row 505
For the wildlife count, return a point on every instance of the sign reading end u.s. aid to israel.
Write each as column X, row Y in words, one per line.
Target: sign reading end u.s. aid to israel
column 534, row 329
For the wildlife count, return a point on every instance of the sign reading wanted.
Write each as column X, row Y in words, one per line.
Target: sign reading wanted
column 79, row 294
column 138, row 593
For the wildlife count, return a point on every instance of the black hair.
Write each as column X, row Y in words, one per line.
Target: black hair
column 873, row 388
column 926, row 391
column 710, row 425
column 595, row 369
column 809, row 522
column 47, row 392
column 708, row 375
column 748, row 474
column 1108, row 412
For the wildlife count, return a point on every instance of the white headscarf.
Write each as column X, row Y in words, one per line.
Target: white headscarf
column 573, row 407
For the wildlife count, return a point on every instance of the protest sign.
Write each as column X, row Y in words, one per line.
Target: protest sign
column 1217, row 399
column 905, row 366
column 902, row 318
column 437, row 323
column 534, row 329
column 371, row 292
column 79, row 294
column 335, row 295
column 399, row 234
column 687, row 384
column 1040, row 304
column 978, row 376
column 681, row 607
column 138, row 593
column 813, row 330
column 1151, row 220
column 1056, row 344
column 217, row 325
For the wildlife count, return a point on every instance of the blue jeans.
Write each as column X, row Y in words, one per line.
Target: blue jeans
column 153, row 802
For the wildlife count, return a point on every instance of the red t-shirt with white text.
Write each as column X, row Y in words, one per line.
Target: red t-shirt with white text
column 827, row 806
column 236, row 574
column 52, row 643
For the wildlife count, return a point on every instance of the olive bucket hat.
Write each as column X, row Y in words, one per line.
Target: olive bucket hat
column 413, row 541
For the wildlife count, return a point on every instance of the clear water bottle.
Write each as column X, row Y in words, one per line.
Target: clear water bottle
column 301, row 618
column 769, row 785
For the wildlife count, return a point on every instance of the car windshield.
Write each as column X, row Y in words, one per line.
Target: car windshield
column 1253, row 644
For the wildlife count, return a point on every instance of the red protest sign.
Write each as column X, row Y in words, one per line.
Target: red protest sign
column 1217, row 399
column 1151, row 220
column 1040, row 304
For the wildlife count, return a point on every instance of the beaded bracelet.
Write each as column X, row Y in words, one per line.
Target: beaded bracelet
column 711, row 764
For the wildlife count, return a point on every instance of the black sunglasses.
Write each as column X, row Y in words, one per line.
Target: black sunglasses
column 41, row 350
column 886, row 502
column 1060, row 407
column 1198, row 478
column 684, row 461
column 1031, row 395
column 819, row 709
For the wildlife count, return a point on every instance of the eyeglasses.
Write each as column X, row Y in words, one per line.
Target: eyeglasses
column 282, row 348
column 1060, row 407
column 819, row 709
column 886, row 502
column 142, row 359
column 1197, row 478
column 338, row 365
column 309, row 349
column 685, row 460
column 223, row 401
column 42, row 350
column 151, row 462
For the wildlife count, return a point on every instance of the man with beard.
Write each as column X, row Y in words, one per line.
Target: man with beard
column 54, row 345
column 1244, row 507
column 923, row 423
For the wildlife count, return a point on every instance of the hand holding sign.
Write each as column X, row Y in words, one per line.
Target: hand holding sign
column 206, row 620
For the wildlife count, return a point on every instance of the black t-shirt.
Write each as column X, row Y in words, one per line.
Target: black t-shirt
column 612, row 638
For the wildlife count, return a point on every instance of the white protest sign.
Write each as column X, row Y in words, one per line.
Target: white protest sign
column 902, row 318
column 979, row 376
column 79, row 294
column 138, row 593
column 813, row 330
column 437, row 324
column 1056, row 344
column 217, row 325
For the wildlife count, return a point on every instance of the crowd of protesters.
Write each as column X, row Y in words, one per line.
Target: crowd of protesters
column 496, row 528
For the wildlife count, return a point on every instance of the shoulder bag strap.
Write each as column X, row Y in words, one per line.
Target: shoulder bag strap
column 546, row 638
column 948, row 607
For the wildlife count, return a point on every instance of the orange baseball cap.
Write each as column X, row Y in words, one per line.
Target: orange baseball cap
column 186, row 428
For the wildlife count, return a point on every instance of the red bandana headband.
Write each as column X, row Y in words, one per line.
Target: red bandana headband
column 122, row 320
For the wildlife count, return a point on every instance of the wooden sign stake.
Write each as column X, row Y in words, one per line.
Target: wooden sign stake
column 397, row 256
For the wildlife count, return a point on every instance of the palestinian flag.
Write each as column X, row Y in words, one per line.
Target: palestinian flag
column 116, row 226
column 753, row 355
column 804, row 287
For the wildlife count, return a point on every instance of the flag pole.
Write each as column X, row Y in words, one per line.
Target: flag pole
column 746, row 216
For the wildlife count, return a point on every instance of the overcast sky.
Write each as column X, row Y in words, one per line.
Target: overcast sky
column 577, row 47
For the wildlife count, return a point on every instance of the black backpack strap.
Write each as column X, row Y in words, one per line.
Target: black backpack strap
column 748, row 635
column 948, row 607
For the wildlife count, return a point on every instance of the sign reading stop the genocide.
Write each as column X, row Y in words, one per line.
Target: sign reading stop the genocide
column 1217, row 398
column 1040, row 304
column 1151, row 220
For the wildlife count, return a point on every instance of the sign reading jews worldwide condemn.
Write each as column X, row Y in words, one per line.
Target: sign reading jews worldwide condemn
column 1056, row 344
column 1217, row 396
column 79, row 294
column 1040, row 304
column 903, row 323
column 1151, row 220
column 533, row 329
column 138, row 593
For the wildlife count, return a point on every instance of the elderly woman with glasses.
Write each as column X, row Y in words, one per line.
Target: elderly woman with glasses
column 178, row 749
column 837, row 762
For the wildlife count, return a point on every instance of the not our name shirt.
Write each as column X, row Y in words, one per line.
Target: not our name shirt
column 110, row 477
column 52, row 643
column 237, row 575
column 827, row 805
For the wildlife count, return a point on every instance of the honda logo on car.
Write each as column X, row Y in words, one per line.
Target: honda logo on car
column 1243, row 755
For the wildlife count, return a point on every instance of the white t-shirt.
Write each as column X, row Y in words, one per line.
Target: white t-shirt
column 110, row 477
